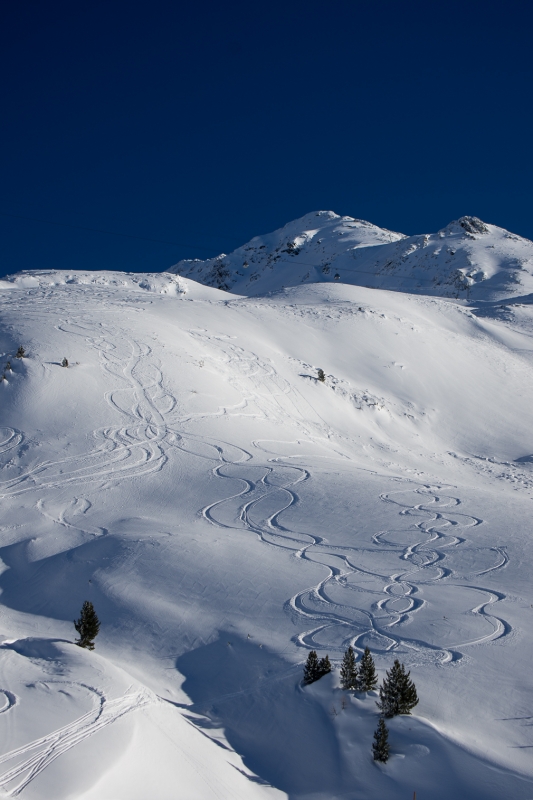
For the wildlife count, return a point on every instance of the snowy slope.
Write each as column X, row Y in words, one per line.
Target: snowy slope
column 467, row 259
column 226, row 512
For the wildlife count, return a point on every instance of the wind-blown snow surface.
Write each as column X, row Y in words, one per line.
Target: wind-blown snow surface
column 226, row 512
column 467, row 259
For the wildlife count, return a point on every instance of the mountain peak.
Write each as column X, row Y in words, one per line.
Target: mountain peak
column 468, row 225
column 472, row 225
column 479, row 260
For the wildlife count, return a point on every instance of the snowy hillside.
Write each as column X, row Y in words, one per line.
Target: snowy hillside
column 467, row 259
column 226, row 513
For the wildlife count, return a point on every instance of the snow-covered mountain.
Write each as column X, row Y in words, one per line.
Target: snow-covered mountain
column 467, row 259
column 226, row 512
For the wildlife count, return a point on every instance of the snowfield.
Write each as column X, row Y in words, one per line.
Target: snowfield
column 226, row 512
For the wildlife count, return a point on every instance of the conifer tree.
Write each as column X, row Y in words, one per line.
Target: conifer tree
column 315, row 669
column 321, row 376
column 349, row 676
column 324, row 666
column 398, row 694
column 408, row 695
column 380, row 746
column 311, row 669
column 64, row 363
column 21, row 353
column 367, row 673
column 87, row 626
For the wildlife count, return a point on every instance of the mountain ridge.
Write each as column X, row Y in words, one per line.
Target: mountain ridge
column 467, row 259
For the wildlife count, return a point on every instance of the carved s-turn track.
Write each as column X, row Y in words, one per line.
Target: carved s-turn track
column 371, row 594
column 139, row 447
column 361, row 600
column 438, row 555
column 122, row 452
column 136, row 448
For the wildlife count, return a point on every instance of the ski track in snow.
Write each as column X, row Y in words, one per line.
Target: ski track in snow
column 31, row 759
column 359, row 601
column 9, row 702
column 143, row 444
column 389, row 601
column 395, row 599
column 128, row 451
column 10, row 439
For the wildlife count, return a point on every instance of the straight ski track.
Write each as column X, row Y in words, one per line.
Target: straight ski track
column 31, row 759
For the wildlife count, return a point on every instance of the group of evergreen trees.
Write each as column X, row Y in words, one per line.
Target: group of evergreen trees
column 397, row 693
column 314, row 668
column 358, row 679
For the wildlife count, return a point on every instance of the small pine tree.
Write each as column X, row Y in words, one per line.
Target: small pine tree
column 349, row 677
column 8, row 365
column 21, row 353
column 64, row 363
column 324, row 666
column 380, row 746
column 87, row 626
column 398, row 694
column 321, row 376
column 367, row 673
column 315, row 669
column 408, row 695
column 311, row 669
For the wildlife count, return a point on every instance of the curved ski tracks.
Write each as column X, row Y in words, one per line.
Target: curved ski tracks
column 383, row 622
column 353, row 603
column 31, row 759
column 397, row 598
column 143, row 443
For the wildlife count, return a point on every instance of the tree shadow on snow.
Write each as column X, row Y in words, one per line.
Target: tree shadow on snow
column 282, row 734
column 286, row 736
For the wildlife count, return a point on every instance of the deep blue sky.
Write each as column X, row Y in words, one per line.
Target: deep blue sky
column 205, row 123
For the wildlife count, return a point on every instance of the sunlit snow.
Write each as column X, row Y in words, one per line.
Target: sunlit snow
column 226, row 512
